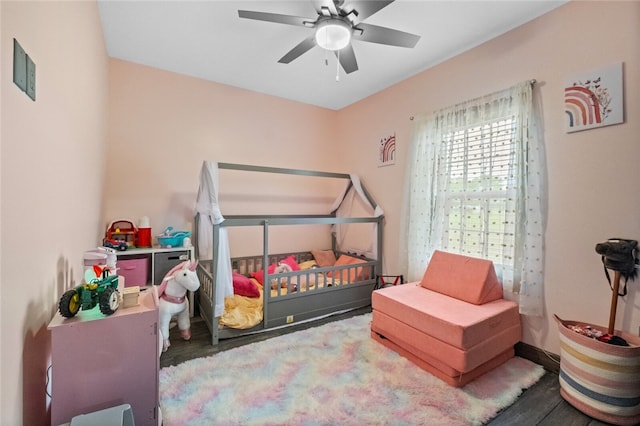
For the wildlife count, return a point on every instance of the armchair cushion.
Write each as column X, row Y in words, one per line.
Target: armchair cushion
column 461, row 277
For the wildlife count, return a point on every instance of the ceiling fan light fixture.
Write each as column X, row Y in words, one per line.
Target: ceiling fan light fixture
column 333, row 34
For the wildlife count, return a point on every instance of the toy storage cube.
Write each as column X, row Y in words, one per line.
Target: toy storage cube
column 163, row 262
column 135, row 271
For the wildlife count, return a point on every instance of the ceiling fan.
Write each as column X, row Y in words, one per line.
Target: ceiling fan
column 338, row 22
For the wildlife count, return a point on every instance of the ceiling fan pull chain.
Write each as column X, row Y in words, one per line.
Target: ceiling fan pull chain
column 338, row 67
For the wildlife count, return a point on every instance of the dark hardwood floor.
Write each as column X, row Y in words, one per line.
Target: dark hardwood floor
column 539, row 405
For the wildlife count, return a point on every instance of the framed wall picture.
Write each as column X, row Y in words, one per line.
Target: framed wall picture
column 387, row 150
column 594, row 99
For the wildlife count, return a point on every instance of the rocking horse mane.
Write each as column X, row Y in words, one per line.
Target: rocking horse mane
column 169, row 275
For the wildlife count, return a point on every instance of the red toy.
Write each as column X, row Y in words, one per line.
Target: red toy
column 122, row 230
column 115, row 244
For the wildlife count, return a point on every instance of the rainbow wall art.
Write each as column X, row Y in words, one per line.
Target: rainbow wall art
column 594, row 99
column 387, row 150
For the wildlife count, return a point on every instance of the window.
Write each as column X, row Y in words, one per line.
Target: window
column 473, row 186
column 479, row 206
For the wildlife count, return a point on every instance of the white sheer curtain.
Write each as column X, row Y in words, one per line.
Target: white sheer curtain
column 474, row 186
column 344, row 207
column 209, row 214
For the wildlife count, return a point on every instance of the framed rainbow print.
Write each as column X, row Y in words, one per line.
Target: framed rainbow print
column 594, row 99
column 387, row 150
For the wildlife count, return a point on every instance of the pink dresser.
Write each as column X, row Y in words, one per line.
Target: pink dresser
column 100, row 362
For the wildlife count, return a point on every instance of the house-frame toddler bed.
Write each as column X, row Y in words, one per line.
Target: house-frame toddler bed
column 293, row 295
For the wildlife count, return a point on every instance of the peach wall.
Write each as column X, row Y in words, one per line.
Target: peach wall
column 53, row 156
column 592, row 175
column 163, row 125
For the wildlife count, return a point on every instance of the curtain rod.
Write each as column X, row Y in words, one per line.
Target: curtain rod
column 531, row 82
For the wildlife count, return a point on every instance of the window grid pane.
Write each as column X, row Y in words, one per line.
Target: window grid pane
column 480, row 163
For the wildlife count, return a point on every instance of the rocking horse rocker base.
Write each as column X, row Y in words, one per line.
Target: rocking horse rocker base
column 173, row 301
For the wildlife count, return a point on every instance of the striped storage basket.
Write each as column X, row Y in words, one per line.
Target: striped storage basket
column 600, row 379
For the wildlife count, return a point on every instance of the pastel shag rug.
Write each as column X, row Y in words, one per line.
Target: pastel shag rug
column 334, row 374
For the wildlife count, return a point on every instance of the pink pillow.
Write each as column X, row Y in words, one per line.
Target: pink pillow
column 462, row 277
column 242, row 286
column 259, row 276
column 291, row 261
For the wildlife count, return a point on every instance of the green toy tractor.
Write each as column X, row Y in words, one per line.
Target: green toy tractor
column 102, row 291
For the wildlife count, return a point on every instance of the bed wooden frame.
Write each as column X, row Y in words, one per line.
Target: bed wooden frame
column 296, row 306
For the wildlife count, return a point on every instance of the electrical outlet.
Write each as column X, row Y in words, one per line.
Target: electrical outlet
column 289, row 319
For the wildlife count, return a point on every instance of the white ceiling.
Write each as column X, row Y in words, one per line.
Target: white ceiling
column 207, row 40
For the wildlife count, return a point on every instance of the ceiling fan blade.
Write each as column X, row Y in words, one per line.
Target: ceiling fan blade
column 383, row 35
column 276, row 17
column 347, row 59
column 301, row 48
column 364, row 8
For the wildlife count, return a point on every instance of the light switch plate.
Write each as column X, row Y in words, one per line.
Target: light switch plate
column 31, row 78
column 19, row 66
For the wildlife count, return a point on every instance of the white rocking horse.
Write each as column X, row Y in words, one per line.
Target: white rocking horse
column 173, row 301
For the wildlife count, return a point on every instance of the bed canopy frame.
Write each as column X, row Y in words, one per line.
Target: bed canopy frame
column 212, row 243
